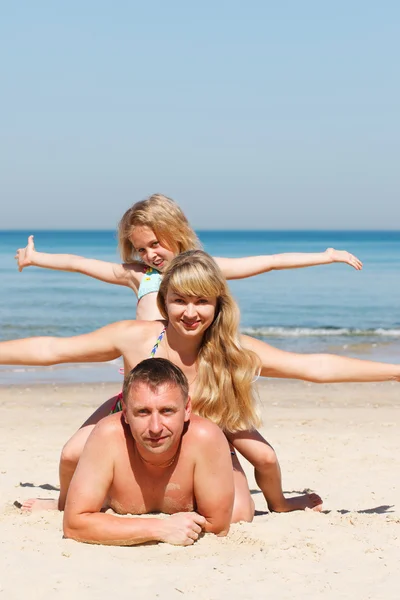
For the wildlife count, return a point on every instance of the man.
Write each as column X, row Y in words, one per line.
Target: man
column 152, row 457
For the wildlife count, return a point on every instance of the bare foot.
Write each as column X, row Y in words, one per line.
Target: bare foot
column 36, row 504
column 309, row 500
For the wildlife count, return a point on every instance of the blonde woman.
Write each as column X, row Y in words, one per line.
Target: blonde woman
column 150, row 234
column 200, row 335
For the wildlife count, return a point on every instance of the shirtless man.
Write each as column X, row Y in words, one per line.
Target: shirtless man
column 152, row 457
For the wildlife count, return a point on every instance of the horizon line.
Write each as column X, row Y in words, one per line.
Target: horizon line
column 278, row 230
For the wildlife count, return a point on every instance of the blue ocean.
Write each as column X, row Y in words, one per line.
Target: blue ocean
column 329, row 308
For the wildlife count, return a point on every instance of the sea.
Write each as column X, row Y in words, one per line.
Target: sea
column 329, row 308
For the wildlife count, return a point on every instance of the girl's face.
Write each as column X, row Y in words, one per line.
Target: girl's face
column 149, row 248
column 190, row 315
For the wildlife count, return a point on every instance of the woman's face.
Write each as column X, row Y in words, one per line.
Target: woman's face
column 149, row 248
column 190, row 315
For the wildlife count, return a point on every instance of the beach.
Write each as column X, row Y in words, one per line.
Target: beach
column 339, row 440
column 264, row 137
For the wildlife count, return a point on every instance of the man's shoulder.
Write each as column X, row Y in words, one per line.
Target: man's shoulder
column 203, row 431
column 206, row 443
column 108, row 427
column 106, row 441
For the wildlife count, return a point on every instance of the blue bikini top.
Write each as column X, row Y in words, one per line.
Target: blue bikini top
column 150, row 282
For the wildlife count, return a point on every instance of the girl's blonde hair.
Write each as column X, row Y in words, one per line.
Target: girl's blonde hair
column 225, row 370
column 165, row 218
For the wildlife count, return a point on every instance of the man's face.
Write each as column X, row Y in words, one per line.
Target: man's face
column 156, row 417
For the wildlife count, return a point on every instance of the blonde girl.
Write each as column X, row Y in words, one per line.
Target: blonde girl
column 150, row 234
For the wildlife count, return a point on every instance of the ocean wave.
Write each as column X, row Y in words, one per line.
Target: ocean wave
column 320, row 332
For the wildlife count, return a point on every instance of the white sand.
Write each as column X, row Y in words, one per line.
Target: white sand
column 342, row 441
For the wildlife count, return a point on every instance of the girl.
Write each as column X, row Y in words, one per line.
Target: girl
column 200, row 335
column 150, row 234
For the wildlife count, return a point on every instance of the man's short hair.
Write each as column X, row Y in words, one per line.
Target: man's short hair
column 155, row 372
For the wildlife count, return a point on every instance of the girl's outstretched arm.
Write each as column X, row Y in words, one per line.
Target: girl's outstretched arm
column 239, row 268
column 117, row 274
column 319, row 368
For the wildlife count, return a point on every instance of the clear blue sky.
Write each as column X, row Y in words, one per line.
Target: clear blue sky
column 256, row 114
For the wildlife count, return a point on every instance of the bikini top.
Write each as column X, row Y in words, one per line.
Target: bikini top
column 155, row 347
column 118, row 402
column 158, row 342
column 150, row 282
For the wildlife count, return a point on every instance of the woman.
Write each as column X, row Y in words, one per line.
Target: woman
column 200, row 335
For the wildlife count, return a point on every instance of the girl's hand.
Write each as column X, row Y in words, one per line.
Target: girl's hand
column 24, row 256
column 344, row 257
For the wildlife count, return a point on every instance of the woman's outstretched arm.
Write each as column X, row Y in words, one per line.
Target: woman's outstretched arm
column 239, row 268
column 319, row 368
column 100, row 345
column 117, row 274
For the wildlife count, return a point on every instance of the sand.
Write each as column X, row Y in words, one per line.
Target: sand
column 339, row 440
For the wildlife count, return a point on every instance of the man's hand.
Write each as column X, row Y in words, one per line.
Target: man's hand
column 182, row 529
column 344, row 257
column 24, row 256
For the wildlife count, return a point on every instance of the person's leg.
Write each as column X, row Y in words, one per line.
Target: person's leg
column 70, row 455
column 243, row 506
column 261, row 455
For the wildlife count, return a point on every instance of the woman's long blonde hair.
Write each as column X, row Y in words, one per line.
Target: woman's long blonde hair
column 225, row 370
column 165, row 218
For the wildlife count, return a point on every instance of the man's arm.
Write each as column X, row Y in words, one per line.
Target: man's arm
column 240, row 268
column 89, row 487
column 213, row 478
